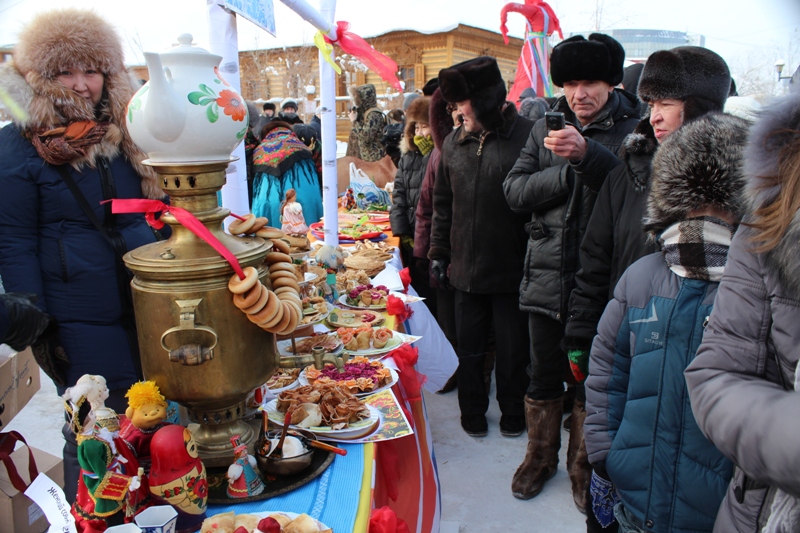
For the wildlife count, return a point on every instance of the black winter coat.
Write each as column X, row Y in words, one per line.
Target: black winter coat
column 407, row 184
column 559, row 195
column 614, row 238
column 473, row 225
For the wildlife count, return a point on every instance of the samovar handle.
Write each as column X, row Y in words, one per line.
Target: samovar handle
column 189, row 354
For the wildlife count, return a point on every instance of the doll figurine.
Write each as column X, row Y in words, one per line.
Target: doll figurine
column 108, row 481
column 243, row 480
column 178, row 477
column 147, row 409
column 292, row 215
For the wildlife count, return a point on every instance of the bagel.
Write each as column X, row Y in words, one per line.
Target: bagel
column 285, row 282
column 293, row 321
column 260, row 303
column 298, row 308
column 282, row 266
column 240, row 227
column 281, row 245
column 282, row 290
column 241, row 286
column 277, row 257
column 268, row 232
column 282, row 274
column 269, row 313
column 287, row 316
column 247, row 299
column 260, row 223
column 274, row 304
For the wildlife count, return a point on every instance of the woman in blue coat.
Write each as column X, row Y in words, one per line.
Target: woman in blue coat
column 68, row 78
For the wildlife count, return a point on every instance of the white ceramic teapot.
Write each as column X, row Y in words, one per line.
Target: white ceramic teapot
column 186, row 112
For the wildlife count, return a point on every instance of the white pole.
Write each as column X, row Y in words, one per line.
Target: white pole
column 327, row 96
column 322, row 19
column 223, row 41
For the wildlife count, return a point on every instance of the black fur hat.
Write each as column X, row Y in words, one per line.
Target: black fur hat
column 698, row 165
column 479, row 81
column 598, row 58
column 693, row 74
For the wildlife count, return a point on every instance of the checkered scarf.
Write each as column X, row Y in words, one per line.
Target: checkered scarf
column 697, row 248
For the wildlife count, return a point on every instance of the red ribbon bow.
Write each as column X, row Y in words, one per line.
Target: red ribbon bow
column 405, row 277
column 377, row 62
column 186, row 218
column 398, row 308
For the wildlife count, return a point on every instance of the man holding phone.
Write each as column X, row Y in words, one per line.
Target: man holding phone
column 555, row 181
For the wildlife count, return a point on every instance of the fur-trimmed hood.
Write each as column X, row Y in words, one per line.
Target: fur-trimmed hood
column 777, row 126
column 65, row 38
column 441, row 120
column 698, row 166
column 418, row 111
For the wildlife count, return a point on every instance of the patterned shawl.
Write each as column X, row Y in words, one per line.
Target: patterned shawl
column 279, row 150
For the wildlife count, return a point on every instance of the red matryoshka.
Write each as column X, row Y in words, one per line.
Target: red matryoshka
column 177, row 475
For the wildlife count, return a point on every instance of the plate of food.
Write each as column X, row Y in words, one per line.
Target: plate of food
column 264, row 522
column 366, row 297
column 352, row 318
column 283, row 379
column 354, row 233
column 315, row 310
column 325, row 409
column 329, row 342
column 368, row 341
column 360, row 375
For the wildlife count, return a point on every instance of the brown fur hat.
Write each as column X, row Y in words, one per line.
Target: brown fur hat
column 416, row 112
column 58, row 39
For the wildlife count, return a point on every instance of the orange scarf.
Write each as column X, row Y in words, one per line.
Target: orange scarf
column 65, row 144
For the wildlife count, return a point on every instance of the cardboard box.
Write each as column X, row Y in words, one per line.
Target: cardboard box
column 17, row 510
column 19, row 381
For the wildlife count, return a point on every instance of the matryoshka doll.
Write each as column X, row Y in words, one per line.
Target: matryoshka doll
column 178, row 477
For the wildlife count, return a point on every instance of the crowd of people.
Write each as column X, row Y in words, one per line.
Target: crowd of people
column 629, row 241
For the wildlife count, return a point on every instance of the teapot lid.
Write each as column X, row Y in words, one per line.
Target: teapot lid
column 184, row 46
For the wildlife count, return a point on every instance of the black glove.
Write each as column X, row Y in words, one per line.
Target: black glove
column 439, row 271
column 26, row 321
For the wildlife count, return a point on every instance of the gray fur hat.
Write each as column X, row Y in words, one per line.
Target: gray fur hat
column 693, row 74
column 600, row 57
column 479, row 81
column 699, row 165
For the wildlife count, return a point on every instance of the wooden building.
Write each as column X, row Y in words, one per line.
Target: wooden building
column 274, row 74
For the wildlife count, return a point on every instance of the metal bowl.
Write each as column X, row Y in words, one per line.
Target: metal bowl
column 286, row 466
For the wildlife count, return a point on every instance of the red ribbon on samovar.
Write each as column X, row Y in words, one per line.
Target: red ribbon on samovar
column 186, row 218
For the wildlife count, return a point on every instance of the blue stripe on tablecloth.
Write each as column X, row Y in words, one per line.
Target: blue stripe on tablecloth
column 332, row 498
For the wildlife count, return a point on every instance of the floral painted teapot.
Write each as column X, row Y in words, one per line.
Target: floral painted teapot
column 186, row 112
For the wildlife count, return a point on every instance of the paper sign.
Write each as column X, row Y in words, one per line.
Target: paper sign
column 51, row 499
column 259, row 12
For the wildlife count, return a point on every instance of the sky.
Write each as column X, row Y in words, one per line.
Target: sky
column 741, row 31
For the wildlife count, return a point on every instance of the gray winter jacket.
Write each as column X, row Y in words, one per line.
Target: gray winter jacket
column 559, row 196
column 740, row 383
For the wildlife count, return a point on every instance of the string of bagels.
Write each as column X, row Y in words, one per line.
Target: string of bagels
column 278, row 310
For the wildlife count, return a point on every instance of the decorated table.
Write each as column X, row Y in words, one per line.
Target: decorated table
column 398, row 473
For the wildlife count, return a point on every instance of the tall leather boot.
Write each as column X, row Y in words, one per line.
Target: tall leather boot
column 544, row 440
column 578, row 467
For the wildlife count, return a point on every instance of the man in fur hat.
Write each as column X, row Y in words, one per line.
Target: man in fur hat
column 680, row 85
column 554, row 182
column 68, row 75
column 477, row 243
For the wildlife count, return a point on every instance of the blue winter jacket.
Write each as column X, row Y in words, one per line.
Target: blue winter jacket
column 50, row 248
column 639, row 420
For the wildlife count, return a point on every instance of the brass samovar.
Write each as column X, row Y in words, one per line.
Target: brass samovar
column 195, row 344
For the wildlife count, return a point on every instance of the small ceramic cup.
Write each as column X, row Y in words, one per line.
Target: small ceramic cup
column 158, row 519
column 124, row 528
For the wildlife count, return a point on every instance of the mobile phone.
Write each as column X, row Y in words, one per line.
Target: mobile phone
column 554, row 121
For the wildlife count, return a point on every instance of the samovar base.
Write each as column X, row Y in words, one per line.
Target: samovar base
column 213, row 431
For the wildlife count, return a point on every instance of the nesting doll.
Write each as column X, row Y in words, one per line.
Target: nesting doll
column 177, row 475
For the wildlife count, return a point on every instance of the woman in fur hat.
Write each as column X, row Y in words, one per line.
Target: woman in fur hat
column 68, row 75
column 743, row 383
column 639, row 424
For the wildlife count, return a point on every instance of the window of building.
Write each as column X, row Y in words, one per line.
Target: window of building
column 407, row 75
